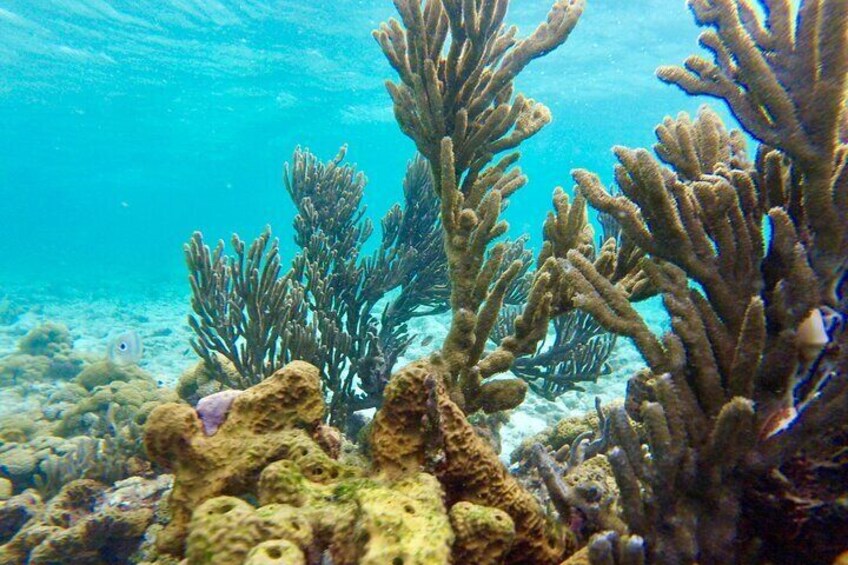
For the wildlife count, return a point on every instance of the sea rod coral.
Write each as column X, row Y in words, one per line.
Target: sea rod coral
column 743, row 418
column 324, row 309
column 734, row 405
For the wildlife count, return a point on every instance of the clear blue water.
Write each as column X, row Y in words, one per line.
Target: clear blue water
column 127, row 124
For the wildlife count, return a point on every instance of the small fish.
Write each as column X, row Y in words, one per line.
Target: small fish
column 427, row 341
column 125, row 349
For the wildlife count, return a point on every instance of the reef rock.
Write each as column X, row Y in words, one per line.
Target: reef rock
column 264, row 424
column 86, row 521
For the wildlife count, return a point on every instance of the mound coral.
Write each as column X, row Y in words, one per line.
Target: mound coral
column 44, row 354
column 265, row 423
column 85, row 521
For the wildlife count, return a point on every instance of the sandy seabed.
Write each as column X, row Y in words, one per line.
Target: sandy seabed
column 160, row 317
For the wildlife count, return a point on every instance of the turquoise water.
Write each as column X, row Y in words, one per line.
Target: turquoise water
column 128, row 125
column 125, row 125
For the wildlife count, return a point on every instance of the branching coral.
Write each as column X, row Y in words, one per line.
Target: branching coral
column 325, row 308
column 736, row 393
column 243, row 309
column 457, row 104
column 785, row 81
column 463, row 89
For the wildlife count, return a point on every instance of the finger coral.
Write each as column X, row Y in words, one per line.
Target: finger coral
column 735, row 398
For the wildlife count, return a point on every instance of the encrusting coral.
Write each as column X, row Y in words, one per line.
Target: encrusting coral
column 265, row 423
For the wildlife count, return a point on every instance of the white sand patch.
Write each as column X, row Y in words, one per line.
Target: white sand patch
column 160, row 320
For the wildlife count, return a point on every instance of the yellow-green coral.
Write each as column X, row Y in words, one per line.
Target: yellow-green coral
column 266, row 423
column 226, row 529
column 484, row 535
column 202, row 379
column 363, row 520
column 402, row 522
column 370, row 522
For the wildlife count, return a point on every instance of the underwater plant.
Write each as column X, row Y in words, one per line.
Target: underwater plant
column 578, row 353
column 243, row 309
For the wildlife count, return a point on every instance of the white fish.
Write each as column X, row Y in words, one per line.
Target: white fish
column 125, row 349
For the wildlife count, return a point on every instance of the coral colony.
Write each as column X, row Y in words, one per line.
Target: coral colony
column 729, row 446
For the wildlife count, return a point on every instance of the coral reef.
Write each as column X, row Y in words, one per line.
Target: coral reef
column 325, row 306
column 736, row 399
column 85, row 521
column 265, row 423
column 729, row 447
